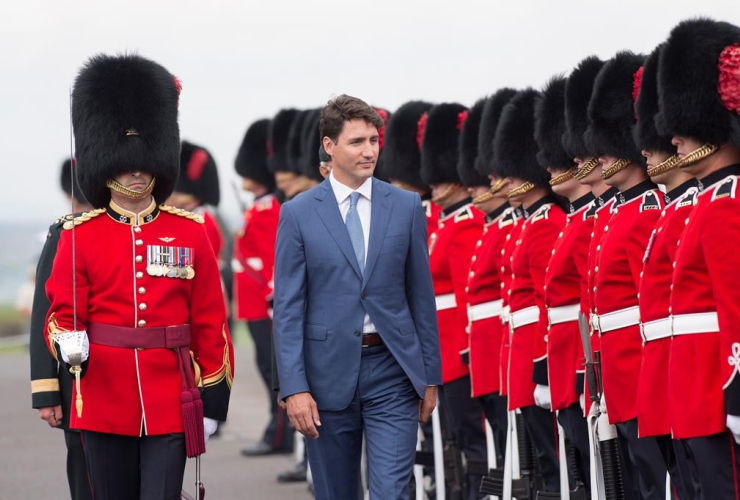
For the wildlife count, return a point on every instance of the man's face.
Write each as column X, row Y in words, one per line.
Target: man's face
column 655, row 158
column 355, row 153
column 685, row 145
column 606, row 162
column 477, row 191
column 253, row 187
column 284, row 180
column 135, row 181
column 503, row 192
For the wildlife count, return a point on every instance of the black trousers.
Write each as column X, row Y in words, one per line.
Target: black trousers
column 543, row 431
column 646, row 468
column 466, row 419
column 576, row 431
column 716, row 460
column 278, row 433
column 684, row 480
column 79, row 484
column 131, row 468
column 494, row 407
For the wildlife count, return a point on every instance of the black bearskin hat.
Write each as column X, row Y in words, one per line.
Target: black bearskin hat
column 644, row 133
column 549, row 126
column 611, row 111
column 468, row 158
column 124, row 115
column 488, row 125
column 310, row 149
column 699, row 82
column 515, row 148
column 401, row 158
column 440, row 143
column 198, row 174
column 66, row 182
column 278, row 138
column 251, row 160
column 295, row 142
column 578, row 90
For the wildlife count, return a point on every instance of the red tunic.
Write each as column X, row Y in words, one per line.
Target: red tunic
column 527, row 299
column 564, row 279
column 705, row 351
column 213, row 230
column 619, row 256
column 484, row 303
column 450, row 250
column 254, row 259
column 603, row 213
column 507, row 253
column 433, row 212
column 133, row 391
column 652, row 387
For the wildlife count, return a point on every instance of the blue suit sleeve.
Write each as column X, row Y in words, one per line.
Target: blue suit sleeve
column 420, row 295
column 289, row 304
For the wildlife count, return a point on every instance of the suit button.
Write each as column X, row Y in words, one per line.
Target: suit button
column 142, row 323
column 139, row 259
column 363, row 296
column 137, row 229
column 142, row 307
column 139, row 275
column 142, row 290
column 357, row 333
column 139, row 242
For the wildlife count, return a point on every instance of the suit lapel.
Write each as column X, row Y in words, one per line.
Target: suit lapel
column 379, row 218
column 328, row 211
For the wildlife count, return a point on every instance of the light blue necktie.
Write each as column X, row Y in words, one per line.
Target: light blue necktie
column 354, row 228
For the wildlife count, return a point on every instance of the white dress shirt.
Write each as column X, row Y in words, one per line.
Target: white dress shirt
column 364, row 206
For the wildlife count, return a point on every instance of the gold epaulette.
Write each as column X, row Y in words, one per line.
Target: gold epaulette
column 64, row 218
column 182, row 213
column 83, row 218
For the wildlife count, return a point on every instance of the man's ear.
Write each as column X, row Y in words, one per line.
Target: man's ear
column 328, row 146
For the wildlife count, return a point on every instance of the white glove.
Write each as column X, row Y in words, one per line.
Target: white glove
column 542, row 396
column 582, row 402
column 733, row 423
column 209, row 427
column 73, row 345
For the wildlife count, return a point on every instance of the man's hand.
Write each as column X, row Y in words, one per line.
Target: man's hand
column 427, row 405
column 304, row 414
column 52, row 415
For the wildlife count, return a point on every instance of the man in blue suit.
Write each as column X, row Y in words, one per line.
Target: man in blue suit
column 354, row 315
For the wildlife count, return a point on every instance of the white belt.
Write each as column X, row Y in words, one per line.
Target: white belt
column 505, row 315
column 523, row 317
column 563, row 314
column 484, row 311
column 686, row 324
column 446, row 301
column 656, row 330
column 616, row 320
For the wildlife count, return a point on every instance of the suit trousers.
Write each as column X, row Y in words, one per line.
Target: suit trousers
column 576, row 430
column 278, row 434
column 494, row 407
column 543, row 431
column 131, row 468
column 716, row 460
column 79, row 484
column 647, row 468
column 385, row 408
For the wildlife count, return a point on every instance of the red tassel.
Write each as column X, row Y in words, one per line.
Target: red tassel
column 192, row 424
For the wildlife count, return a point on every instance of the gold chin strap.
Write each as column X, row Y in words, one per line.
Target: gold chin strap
column 524, row 188
column 618, row 165
column 696, row 155
column 120, row 188
column 488, row 195
column 586, row 169
column 450, row 189
column 668, row 164
column 565, row 176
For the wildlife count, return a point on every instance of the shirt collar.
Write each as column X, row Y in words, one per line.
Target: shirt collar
column 606, row 196
column 496, row 213
column 717, row 176
column 452, row 208
column 120, row 214
column 342, row 192
column 637, row 190
column 677, row 191
column 530, row 210
column 581, row 202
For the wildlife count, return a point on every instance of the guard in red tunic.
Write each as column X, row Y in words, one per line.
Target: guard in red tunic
column 515, row 157
column 142, row 282
column 618, row 264
column 701, row 113
column 652, row 388
column 252, row 263
column 400, row 162
column 557, row 353
column 483, row 290
column 197, row 190
column 450, row 250
column 578, row 91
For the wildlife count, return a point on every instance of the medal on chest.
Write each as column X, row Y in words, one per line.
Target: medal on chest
column 170, row 262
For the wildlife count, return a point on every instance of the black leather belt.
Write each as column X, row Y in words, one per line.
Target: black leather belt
column 371, row 340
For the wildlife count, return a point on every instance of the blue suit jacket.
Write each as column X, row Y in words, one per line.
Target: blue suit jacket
column 321, row 296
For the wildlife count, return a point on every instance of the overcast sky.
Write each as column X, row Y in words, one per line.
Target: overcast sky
column 240, row 61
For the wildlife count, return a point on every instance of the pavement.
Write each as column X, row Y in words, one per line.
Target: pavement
column 32, row 455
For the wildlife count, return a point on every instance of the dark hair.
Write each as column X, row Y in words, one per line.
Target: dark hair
column 345, row 108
